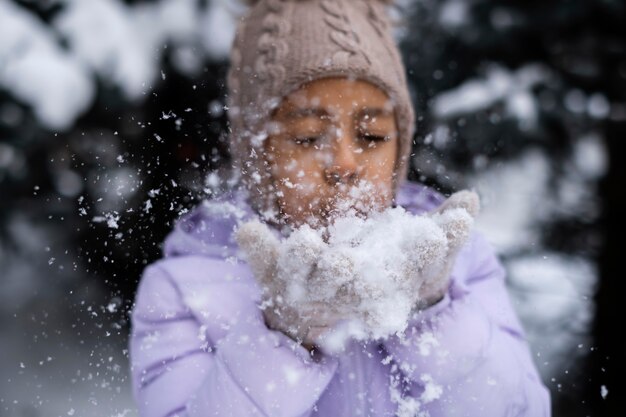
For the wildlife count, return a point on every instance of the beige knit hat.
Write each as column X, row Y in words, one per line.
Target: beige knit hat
column 280, row 45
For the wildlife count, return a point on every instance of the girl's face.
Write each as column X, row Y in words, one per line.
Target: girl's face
column 332, row 147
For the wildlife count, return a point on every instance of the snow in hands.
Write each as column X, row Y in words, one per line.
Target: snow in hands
column 359, row 277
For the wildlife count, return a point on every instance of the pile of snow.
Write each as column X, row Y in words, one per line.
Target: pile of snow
column 37, row 71
column 500, row 85
column 370, row 272
column 107, row 40
column 553, row 294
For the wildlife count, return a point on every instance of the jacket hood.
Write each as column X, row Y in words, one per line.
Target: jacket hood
column 208, row 229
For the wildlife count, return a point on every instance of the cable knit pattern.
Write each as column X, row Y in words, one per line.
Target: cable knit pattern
column 343, row 35
column 380, row 25
column 272, row 48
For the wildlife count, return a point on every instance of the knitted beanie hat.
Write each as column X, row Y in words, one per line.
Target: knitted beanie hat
column 280, row 45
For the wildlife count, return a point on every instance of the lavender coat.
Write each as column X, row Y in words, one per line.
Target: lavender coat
column 199, row 346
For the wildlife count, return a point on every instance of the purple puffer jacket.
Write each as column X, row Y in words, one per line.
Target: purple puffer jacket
column 199, row 346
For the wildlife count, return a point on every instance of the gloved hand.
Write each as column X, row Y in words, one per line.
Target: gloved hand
column 375, row 270
column 380, row 269
column 283, row 270
column 434, row 276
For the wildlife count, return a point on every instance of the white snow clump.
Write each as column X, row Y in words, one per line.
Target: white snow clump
column 371, row 272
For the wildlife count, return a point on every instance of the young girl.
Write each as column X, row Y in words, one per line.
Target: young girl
column 322, row 127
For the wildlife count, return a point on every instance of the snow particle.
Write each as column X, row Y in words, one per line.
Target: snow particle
column 604, row 391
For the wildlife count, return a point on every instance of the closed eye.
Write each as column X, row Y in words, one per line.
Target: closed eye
column 374, row 138
column 305, row 141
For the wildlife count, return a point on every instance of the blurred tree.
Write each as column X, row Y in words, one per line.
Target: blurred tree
column 113, row 172
column 493, row 80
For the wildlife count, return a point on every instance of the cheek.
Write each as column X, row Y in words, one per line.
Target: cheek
column 298, row 168
column 298, row 178
column 380, row 165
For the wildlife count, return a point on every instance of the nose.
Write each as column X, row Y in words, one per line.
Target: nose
column 343, row 167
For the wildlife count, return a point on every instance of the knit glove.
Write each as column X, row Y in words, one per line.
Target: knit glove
column 380, row 269
column 281, row 268
column 375, row 270
column 455, row 217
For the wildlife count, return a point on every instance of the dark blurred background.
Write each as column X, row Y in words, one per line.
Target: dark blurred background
column 113, row 124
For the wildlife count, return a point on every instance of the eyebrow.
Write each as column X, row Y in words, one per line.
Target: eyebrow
column 306, row 112
column 321, row 113
column 373, row 112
